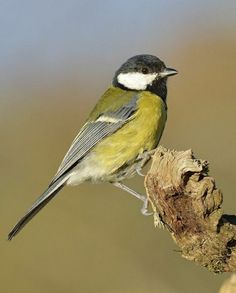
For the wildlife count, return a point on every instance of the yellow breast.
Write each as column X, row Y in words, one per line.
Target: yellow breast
column 141, row 133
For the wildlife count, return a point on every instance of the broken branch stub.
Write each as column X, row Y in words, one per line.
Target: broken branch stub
column 186, row 201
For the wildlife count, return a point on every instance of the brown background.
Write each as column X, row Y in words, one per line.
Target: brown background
column 57, row 58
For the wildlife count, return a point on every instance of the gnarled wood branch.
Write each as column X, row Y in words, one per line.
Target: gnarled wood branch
column 186, row 201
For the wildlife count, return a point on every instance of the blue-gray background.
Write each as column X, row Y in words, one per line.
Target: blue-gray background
column 56, row 59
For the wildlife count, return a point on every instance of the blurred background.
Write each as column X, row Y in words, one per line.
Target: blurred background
column 56, row 59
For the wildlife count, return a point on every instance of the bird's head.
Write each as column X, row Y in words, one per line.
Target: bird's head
column 143, row 72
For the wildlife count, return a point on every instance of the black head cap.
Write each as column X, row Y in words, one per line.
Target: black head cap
column 140, row 63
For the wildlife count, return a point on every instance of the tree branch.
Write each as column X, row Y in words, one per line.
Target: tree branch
column 186, row 201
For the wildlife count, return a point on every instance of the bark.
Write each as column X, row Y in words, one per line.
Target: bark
column 229, row 286
column 185, row 200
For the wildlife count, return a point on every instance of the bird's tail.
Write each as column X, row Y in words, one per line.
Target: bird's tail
column 52, row 190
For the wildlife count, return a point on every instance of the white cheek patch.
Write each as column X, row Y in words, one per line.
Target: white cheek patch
column 136, row 80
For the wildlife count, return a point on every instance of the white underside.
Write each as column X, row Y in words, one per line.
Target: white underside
column 136, row 80
column 88, row 169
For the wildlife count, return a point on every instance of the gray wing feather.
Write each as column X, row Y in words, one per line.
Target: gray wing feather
column 92, row 133
column 88, row 137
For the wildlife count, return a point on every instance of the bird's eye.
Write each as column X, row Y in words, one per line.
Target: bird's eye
column 145, row 70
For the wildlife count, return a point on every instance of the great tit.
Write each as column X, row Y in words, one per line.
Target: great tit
column 121, row 131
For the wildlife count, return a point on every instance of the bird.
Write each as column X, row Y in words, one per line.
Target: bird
column 119, row 135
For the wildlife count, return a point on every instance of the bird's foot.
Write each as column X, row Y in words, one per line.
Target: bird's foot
column 142, row 160
column 143, row 198
column 139, row 172
column 144, row 209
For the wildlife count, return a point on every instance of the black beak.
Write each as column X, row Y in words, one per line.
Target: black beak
column 168, row 72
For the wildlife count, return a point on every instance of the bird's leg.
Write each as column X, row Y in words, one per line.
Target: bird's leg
column 138, row 170
column 142, row 159
column 143, row 198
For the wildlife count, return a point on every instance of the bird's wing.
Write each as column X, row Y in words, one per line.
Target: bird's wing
column 93, row 132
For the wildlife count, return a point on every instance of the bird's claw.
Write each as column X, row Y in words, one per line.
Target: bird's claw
column 138, row 170
column 142, row 159
column 144, row 209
